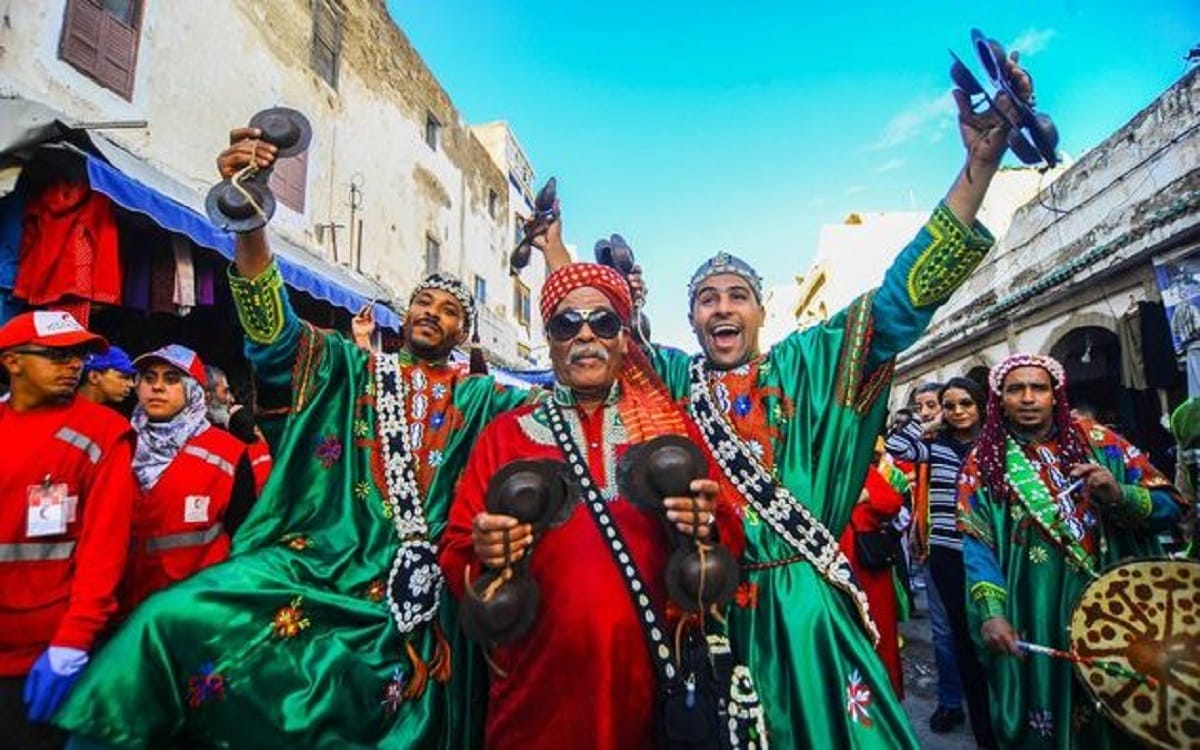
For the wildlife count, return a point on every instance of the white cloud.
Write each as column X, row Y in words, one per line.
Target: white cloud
column 927, row 115
column 1032, row 41
column 891, row 165
column 856, row 189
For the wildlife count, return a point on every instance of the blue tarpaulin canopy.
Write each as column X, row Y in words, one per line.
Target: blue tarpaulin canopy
column 299, row 268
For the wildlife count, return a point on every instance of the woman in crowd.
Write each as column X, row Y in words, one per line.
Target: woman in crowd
column 943, row 445
column 196, row 481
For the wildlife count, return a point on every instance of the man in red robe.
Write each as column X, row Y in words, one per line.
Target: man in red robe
column 582, row 677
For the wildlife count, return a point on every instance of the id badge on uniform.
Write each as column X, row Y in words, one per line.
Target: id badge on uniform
column 195, row 509
column 46, row 510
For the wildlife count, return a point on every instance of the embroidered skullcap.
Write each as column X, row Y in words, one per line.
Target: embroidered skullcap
column 1049, row 364
column 449, row 283
column 721, row 263
column 578, row 275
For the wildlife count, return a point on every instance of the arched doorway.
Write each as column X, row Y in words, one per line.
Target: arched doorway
column 1092, row 358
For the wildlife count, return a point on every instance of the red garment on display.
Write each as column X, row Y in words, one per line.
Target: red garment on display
column 69, row 249
column 177, row 527
column 67, row 597
column 882, row 504
column 582, row 677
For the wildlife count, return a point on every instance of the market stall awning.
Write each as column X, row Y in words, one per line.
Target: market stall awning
column 137, row 186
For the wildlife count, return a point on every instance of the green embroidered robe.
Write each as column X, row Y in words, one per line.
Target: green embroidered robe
column 290, row 643
column 811, row 408
column 1016, row 570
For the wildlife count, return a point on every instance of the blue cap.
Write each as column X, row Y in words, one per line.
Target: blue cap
column 114, row 359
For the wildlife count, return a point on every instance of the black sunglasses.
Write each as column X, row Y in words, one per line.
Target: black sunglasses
column 567, row 324
column 56, row 355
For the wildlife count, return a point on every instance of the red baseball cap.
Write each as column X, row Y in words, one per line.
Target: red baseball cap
column 54, row 329
column 176, row 356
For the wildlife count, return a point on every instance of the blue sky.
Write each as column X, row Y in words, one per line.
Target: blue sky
column 696, row 127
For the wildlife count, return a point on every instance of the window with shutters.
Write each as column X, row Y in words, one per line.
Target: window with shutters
column 433, row 130
column 289, row 180
column 521, row 302
column 433, row 255
column 100, row 38
column 327, row 39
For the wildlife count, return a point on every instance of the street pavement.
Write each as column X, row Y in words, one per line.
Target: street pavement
column 920, row 683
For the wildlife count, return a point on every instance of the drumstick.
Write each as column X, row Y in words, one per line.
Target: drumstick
column 1108, row 666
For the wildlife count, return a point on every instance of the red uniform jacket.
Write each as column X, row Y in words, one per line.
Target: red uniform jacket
column 61, row 588
column 177, row 525
column 259, row 454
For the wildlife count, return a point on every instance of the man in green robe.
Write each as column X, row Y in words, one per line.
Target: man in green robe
column 329, row 627
column 1046, row 502
column 795, row 428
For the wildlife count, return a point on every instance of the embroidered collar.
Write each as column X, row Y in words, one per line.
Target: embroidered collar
column 564, row 396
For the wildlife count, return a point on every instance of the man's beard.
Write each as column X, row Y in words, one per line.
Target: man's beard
column 218, row 414
column 430, row 352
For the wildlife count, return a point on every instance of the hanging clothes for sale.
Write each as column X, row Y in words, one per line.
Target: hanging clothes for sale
column 184, row 296
column 12, row 208
column 69, row 254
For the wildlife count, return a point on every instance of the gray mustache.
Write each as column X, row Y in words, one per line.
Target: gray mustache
column 587, row 350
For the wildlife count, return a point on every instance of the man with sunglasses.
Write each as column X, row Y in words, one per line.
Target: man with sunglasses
column 66, row 493
column 333, row 579
column 581, row 677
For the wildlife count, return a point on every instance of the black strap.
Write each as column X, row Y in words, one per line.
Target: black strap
column 660, row 649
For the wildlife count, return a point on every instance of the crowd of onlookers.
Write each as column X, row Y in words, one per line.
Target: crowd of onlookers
column 120, row 500
column 910, row 503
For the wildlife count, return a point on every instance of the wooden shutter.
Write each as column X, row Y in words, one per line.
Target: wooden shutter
column 326, row 40
column 100, row 45
column 289, row 181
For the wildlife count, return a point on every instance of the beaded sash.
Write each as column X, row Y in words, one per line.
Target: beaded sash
column 415, row 582
column 786, row 515
column 742, row 721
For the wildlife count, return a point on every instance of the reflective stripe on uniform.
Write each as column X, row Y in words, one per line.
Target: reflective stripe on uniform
column 209, row 457
column 185, row 539
column 36, row 551
column 80, row 441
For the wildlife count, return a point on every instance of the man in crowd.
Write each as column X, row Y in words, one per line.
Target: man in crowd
column 581, row 677
column 802, row 420
column 67, row 491
column 217, row 396
column 334, row 581
column 107, row 377
column 925, row 402
column 1045, row 503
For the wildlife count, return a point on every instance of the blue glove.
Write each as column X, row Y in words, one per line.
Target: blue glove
column 51, row 679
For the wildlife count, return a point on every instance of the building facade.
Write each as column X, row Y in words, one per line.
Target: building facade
column 1083, row 271
column 394, row 185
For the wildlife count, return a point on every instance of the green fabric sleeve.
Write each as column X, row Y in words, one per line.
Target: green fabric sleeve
column 271, row 326
column 937, row 261
column 671, row 364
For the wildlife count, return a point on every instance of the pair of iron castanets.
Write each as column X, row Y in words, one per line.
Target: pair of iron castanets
column 245, row 202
